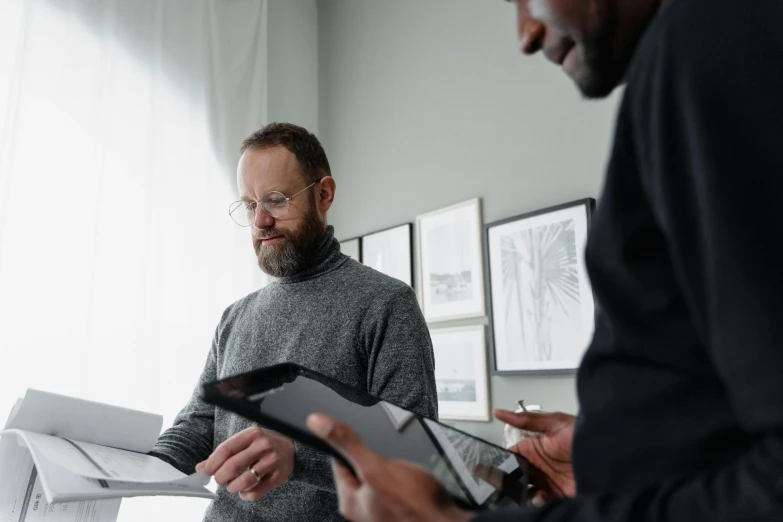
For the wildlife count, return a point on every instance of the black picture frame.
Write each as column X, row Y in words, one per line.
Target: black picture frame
column 589, row 207
column 410, row 242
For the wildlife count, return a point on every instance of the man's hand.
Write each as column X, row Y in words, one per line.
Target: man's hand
column 549, row 451
column 252, row 463
column 383, row 490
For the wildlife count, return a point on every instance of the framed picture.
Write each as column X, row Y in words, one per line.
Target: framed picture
column 352, row 248
column 389, row 252
column 542, row 312
column 450, row 262
column 461, row 373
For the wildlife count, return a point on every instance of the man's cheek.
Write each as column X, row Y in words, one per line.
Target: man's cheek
column 541, row 10
column 554, row 14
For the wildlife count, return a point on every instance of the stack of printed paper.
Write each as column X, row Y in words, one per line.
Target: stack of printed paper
column 69, row 459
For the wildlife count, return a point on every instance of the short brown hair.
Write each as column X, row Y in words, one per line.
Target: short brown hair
column 299, row 142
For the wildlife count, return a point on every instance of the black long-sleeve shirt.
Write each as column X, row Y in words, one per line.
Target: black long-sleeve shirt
column 681, row 391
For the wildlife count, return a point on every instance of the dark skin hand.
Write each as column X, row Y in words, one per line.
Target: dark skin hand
column 548, row 451
column 383, row 490
column 387, row 490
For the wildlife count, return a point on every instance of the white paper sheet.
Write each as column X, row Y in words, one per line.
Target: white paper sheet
column 22, row 498
column 101, row 462
column 86, row 421
column 399, row 417
column 72, row 487
column 43, row 455
column 66, row 473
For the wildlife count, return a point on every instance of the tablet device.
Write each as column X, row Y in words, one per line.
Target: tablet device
column 477, row 474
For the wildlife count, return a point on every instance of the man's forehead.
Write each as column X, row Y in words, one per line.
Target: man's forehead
column 270, row 158
column 267, row 169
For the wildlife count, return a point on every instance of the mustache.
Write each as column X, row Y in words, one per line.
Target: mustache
column 260, row 235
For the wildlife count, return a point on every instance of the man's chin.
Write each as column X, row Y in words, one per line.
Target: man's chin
column 594, row 72
column 595, row 88
column 273, row 270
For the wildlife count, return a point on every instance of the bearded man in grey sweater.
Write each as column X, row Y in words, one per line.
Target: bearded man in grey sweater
column 324, row 311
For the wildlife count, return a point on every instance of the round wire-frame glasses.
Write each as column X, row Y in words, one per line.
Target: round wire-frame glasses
column 274, row 203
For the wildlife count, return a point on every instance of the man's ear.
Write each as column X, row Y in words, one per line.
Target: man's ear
column 325, row 190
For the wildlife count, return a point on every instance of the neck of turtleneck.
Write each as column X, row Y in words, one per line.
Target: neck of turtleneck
column 327, row 257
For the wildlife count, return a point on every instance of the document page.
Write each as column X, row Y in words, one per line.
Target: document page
column 86, row 421
column 101, row 462
column 66, row 486
column 22, row 497
column 70, row 470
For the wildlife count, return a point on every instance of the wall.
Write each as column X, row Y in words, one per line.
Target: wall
column 292, row 71
column 292, row 44
column 424, row 104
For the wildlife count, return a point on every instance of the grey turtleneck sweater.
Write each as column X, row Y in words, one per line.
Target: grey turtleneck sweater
column 338, row 317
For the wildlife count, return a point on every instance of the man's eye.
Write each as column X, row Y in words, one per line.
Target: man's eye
column 276, row 202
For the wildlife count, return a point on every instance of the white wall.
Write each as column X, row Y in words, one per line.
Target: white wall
column 292, row 70
column 292, row 43
column 428, row 103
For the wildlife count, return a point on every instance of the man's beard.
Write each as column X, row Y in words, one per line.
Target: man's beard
column 603, row 74
column 297, row 250
column 605, row 71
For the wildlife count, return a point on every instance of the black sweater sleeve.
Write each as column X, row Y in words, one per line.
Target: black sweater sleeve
column 706, row 103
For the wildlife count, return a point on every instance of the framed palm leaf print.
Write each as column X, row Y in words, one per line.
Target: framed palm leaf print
column 542, row 312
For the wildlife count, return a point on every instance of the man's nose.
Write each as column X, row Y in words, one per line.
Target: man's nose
column 530, row 32
column 262, row 219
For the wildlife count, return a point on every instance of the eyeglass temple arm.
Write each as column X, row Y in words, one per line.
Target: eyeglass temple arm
column 288, row 198
column 307, row 187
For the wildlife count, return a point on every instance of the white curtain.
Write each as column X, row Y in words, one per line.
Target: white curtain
column 119, row 127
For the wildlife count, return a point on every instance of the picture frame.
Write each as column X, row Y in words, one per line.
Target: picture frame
column 461, row 374
column 541, row 305
column 352, row 248
column 450, row 262
column 390, row 251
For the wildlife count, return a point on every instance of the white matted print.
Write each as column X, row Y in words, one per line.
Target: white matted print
column 352, row 248
column 389, row 252
column 542, row 312
column 451, row 263
column 461, row 373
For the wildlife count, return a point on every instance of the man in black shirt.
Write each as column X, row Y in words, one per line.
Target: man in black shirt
column 681, row 391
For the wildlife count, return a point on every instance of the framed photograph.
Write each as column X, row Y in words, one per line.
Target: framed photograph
column 542, row 311
column 461, row 373
column 389, row 251
column 450, row 262
column 352, row 248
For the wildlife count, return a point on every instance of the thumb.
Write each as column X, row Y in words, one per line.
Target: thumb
column 346, row 482
column 531, row 421
column 344, row 440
